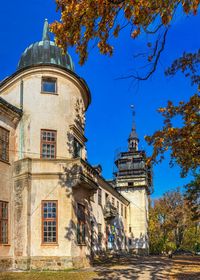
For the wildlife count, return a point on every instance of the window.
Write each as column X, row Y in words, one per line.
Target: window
column 81, row 225
column 99, row 196
column 122, row 210
column 118, row 207
column 3, row 222
column 125, row 212
column 77, row 148
column 113, row 201
column 49, row 85
column 49, row 221
column 4, row 144
column 106, row 197
column 99, row 234
column 130, row 229
column 48, row 143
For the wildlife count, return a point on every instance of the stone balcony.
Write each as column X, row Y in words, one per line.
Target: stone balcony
column 74, row 173
column 109, row 211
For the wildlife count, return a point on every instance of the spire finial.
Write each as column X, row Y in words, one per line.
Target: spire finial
column 133, row 138
column 45, row 34
column 133, row 117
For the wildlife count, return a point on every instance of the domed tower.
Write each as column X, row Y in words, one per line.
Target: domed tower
column 54, row 100
column 45, row 52
column 46, row 102
column 133, row 181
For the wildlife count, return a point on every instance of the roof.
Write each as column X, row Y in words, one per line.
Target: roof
column 45, row 51
column 11, row 107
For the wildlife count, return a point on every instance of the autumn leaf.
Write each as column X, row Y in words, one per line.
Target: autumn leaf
column 135, row 33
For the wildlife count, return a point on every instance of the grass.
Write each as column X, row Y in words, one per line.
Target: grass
column 50, row 275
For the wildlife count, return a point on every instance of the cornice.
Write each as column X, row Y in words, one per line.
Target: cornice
column 13, row 113
column 55, row 69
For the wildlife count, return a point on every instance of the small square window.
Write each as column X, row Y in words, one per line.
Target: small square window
column 49, row 85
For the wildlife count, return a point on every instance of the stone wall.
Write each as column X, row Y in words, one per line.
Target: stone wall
column 6, row 263
column 6, row 185
column 43, row 263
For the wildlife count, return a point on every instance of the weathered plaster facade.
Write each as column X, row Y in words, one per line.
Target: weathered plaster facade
column 28, row 179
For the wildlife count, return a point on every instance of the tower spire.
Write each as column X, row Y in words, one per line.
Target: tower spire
column 133, row 138
column 133, row 118
column 45, row 34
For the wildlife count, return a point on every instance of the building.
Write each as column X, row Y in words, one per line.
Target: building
column 133, row 180
column 56, row 210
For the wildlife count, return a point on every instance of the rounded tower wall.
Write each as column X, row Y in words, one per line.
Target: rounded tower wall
column 46, row 110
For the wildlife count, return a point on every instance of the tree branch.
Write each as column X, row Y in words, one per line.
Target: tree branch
column 146, row 77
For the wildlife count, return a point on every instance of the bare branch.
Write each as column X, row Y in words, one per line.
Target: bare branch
column 154, row 67
column 153, row 31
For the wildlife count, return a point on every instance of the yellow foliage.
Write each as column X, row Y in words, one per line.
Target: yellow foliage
column 82, row 21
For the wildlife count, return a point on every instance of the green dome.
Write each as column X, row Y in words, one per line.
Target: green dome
column 45, row 52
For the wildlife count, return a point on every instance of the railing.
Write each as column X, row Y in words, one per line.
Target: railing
column 124, row 153
column 131, row 173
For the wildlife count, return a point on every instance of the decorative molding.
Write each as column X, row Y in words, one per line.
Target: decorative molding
column 78, row 134
column 80, row 114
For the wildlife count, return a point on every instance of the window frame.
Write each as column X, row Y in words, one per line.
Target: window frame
column 48, row 142
column 99, row 196
column 5, row 220
column 122, row 209
column 7, row 145
column 99, row 234
column 81, row 225
column 51, row 219
column 79, row 154
column 118, row 206
column 48, row 78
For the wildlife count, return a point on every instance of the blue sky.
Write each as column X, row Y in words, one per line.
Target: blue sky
column 108, row 122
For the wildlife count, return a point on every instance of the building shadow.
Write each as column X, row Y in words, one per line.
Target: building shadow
column 151, row 267
column 78, row 195
column 133, row 267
